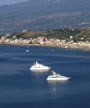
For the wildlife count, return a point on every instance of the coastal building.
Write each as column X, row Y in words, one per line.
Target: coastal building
column 45, row 42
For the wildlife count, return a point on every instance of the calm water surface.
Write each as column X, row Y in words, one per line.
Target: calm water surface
column 21, row 88
column 9, row 2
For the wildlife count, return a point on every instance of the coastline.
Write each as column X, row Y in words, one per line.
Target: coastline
column 85, row 46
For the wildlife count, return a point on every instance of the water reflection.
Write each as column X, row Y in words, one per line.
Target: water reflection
column 57, row 86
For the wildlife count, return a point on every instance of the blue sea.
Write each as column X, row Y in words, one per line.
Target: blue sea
column 21, row 88
column 10, row 2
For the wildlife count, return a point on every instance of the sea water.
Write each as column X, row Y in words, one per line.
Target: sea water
column 21, row 88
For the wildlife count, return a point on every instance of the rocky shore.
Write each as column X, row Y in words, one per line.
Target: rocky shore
column 42, row 41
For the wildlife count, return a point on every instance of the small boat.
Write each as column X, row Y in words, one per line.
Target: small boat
column 57, row 77
column 52, row 50
column 39, row 67
column 27, row 50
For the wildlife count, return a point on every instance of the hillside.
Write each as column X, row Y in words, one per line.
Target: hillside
column 62, row 34
column 44, row 15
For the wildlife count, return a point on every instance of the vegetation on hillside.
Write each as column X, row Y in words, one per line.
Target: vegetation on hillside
column 62, row 34
column 44, row 15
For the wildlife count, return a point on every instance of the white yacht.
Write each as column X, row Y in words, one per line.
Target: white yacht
column 39, row 67
column 56, row 77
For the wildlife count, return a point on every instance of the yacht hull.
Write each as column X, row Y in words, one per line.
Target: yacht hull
column 40, row 69
column 58, row 79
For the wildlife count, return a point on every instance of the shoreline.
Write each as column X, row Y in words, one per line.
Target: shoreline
column 65, row 38
column 85, row 46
